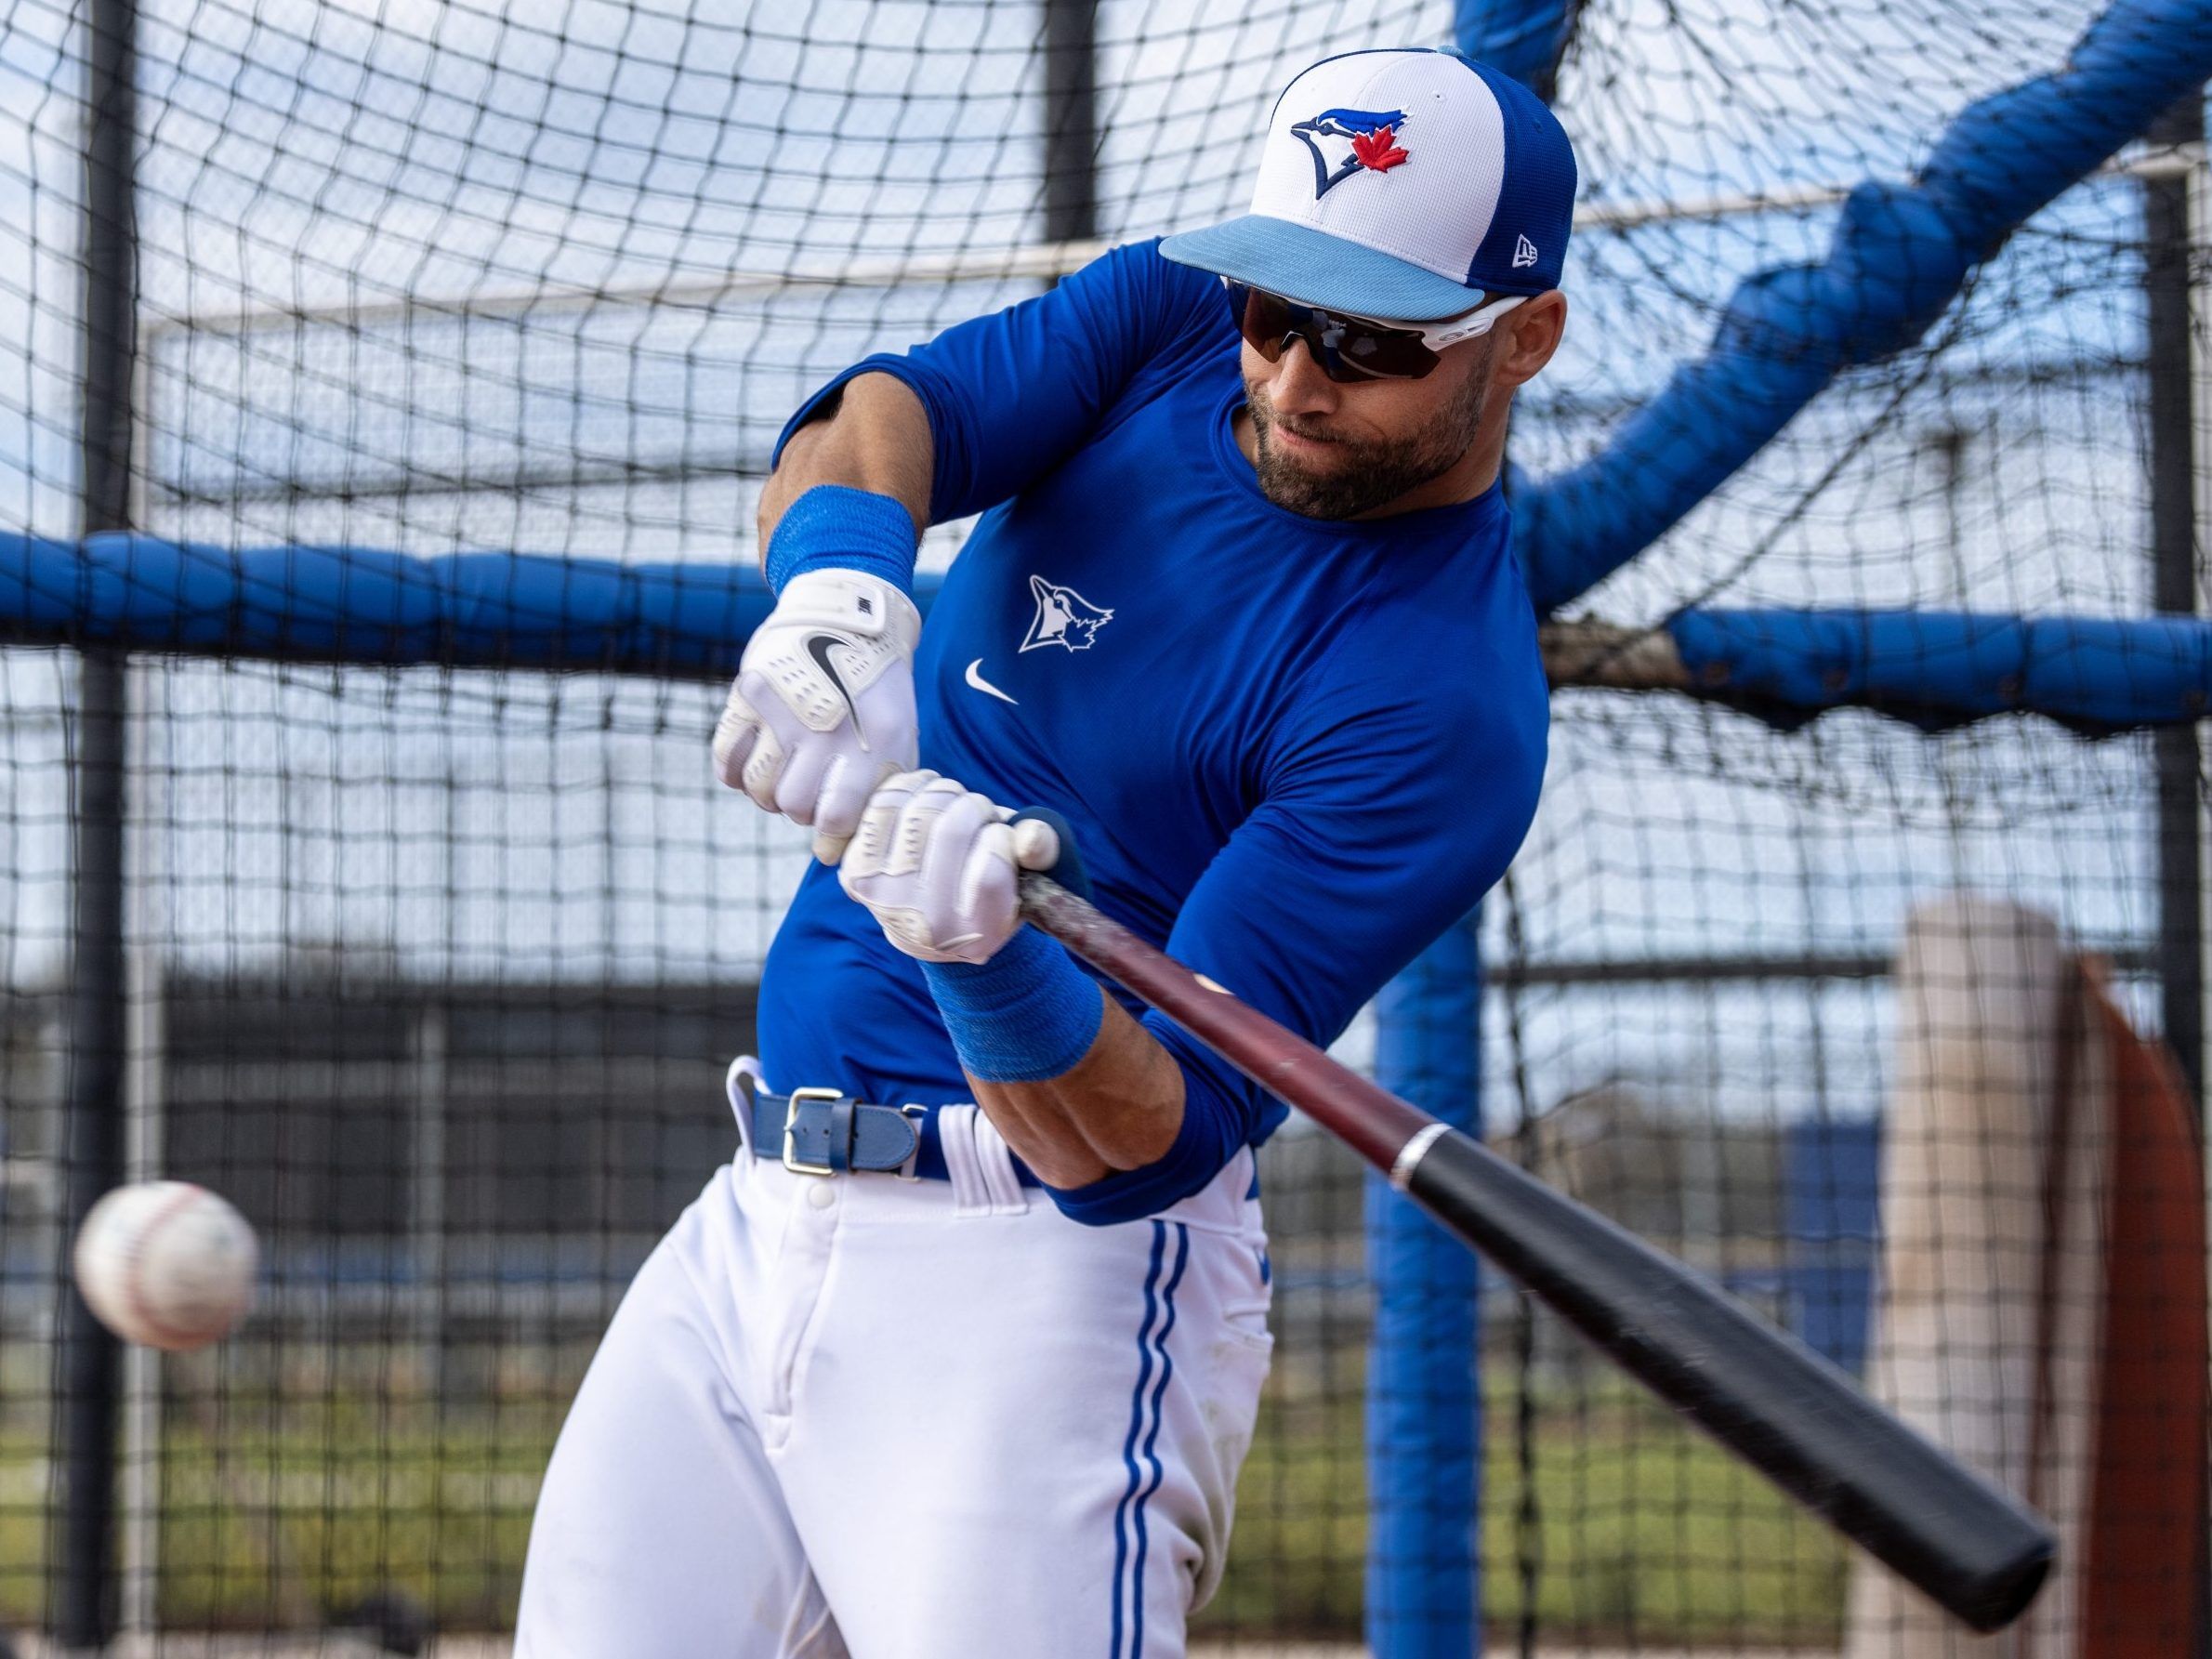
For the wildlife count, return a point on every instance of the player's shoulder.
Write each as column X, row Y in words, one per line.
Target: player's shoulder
column 1462, row 619
column 1174, row 306
column 1449, row 656
column 1183, row 285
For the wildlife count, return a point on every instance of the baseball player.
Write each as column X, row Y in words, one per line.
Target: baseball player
column 960, row 1355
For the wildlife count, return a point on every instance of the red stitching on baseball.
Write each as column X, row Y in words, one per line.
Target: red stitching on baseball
column 133, row 1257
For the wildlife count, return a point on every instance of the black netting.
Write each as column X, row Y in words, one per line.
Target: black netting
column 434, row 971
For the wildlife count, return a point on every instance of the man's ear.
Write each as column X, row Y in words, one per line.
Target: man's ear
column 1532, row 334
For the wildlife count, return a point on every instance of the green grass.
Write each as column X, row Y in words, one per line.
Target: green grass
column 1643, row 1528
column 22, row 1525
column 272, row 1519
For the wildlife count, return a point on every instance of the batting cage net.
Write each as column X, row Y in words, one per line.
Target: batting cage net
column 385, row 393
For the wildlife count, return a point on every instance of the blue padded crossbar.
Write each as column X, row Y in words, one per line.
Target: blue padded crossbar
column 363, row 605
column 691, row 621
column 1940, row 669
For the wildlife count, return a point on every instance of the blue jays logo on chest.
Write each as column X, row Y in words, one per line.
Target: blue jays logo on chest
column 1064, row 617
column 1372, row 138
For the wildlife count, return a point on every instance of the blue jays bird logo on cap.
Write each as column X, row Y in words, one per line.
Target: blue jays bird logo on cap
column 1064, row 617
column 1374, row 147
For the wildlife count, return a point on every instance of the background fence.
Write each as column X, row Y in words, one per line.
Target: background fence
column 429, row 953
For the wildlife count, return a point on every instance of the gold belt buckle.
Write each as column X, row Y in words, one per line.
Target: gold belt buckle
column 791, row 1117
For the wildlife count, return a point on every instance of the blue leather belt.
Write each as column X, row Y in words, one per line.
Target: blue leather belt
column 825, row 1131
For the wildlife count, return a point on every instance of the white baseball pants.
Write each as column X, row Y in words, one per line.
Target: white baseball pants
column 860, row 1416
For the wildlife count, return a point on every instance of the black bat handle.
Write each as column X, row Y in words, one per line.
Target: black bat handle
column 1779, row 1406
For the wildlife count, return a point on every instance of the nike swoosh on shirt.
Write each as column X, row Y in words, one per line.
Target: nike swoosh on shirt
column 819, row 647
column 985, row 686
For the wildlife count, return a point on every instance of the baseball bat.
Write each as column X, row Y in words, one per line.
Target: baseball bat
column 1765, row 1397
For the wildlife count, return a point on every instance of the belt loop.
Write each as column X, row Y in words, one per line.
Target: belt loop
column 744, row 1078
column 997, row 1160
column 979, row 1164
column 955, row 1138
column 919, row 1117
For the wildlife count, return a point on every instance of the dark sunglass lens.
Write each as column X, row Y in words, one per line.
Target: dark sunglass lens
column 1347, row 348
column 1386, row 351
column 1264, row 322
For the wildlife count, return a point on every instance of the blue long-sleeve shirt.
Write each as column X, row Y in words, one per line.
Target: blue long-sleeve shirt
column 1293, row 751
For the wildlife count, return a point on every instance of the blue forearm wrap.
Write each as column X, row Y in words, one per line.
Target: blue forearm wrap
column 1026, row 1015
column 835, row 527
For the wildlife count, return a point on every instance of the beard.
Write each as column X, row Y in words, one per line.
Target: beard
column 1363, row 474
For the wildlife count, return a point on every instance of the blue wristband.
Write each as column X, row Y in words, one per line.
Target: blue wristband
column 1027, row 1014
column 835, row 527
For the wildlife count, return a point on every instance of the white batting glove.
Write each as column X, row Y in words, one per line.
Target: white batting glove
column 822, row 707
column 937, row 865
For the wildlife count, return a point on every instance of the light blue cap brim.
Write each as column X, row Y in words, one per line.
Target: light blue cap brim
column 1301, row 263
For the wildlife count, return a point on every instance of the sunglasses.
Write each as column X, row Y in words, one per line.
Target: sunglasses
column 1349, row 348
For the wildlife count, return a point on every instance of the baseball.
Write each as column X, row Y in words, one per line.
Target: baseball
column 166, row 1264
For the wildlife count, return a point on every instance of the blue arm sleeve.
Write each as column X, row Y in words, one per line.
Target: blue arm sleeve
column 1012, row 394
column 1375, row 835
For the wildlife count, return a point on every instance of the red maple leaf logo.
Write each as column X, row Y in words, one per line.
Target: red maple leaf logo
column 1376, row 151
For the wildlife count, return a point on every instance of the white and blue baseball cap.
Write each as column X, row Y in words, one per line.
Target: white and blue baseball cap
column 1399, row 184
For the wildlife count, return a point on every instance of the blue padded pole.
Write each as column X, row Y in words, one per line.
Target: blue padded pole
column 1424, row 1401
column 1900, row 253
column 1522, row 38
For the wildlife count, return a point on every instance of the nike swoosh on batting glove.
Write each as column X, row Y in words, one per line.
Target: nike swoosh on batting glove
column 823, row 708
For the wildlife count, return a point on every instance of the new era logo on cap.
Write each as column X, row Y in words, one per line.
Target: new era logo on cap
column 1399, row 184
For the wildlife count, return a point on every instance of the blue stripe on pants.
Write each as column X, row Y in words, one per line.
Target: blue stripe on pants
column 1144, row 1370
column 1151, row 1440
